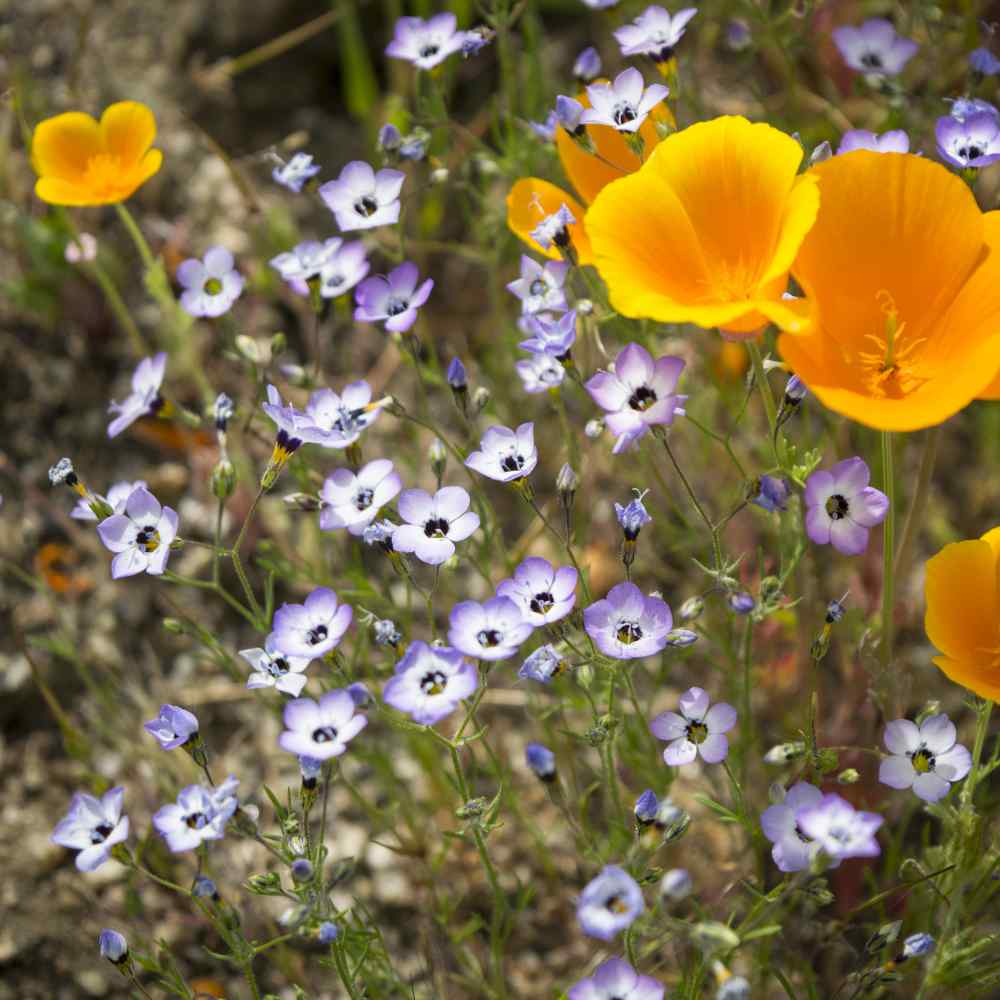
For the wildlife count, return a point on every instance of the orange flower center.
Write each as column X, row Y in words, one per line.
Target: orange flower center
column 893, row 369
column 104, row 173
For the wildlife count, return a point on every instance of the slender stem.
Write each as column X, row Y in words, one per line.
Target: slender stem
column 982, row 726
column 142, row 989
column 634, row 698
column 766, row 393
column 190, row 581
column 888, row 530
column 135, row 232
column 235, row 556
column 118, row 307
column 565, row 541
column 746, row 722
column 343, row 971
column 916, row 511
column 251, row 979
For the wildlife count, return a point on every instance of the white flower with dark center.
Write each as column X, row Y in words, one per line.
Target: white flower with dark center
column 392, row 299
column 874, row 48
column 492, row 630
column 346, row 264
column 336, row 420
column 540, row 372
column 433, row 523
column 553, row 230
column 654, row 33
column 352, row 500
column 698, row 729
column 306, row 260
column 925, row 758
column 92, row 827
column 140, row 535
column 841, row 830
column 543, row 593
column 540, row 286
column 623, row 105
column 311, row 629
column 321, row 729
column 793, row 851
column 615, row 979
column 212, row 285
column 426, row 43
column 199, row 814
column 144, row 399
column 293, row 174
column 430, row 682
column 609, row 903
column 505, row 455
column 272, row 668
column 360, row 198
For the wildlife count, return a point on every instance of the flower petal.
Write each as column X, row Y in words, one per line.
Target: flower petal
column 128, row 129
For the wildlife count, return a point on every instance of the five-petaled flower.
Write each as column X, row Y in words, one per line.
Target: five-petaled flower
column 430, row 681
column 492, row 630
column 609, row 903
column 311, row 629
column 926, row 758
column 549, row 334
column 874, row 48
column 362, row 198
column 343, row 266
column 274, row 668
column 294, row 174
column 543, row 593
column 841, row 508
column 840, row 830
column 970, row 142
column 199, row 814
column 792, row 850
column 540, row 372
column 896, row 141
column 211, row 285
column 505, row 455
column 540, row 286
column 433, row 523
column 336, row 420
column 321, row 729
column 697, row 730
column 544, row 664
column 140, row 535
column 144, row 399
column 627, row 624
column 654, row 33
column 615, row 979
column 353, row 500
column 173, row 727
column 426, row 43
column 392, row 299
column 92, row 827
column 624, row 104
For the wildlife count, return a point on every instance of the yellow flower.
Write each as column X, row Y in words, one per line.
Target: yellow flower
column 963, row 612
column 706, row 231
column 902, row 271
column 80, row 161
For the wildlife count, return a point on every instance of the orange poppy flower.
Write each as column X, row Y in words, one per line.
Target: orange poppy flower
column 963, row 612
column 80, row 161
column 707, row 230
column 531, row 199
column 902, row 271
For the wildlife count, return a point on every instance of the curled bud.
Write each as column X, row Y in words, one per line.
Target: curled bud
column 646, row 807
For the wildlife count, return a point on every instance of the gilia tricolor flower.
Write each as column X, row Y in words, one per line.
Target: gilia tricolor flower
column 902, row 273
column 707, row 230
column 80, row 161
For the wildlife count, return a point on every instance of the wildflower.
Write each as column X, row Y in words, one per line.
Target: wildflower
column 336, row 420
column 546, row 130
column 568, row 114
column 681, row 637
column 692, row 237
column 475, row 40
column 738, row 35
column 328, row 932
column 839, row 829
column 394, row 298
column 874, row 48
column 293, row 174
column 379, row 533
column 541, row 760
column 699, row 729
column 113, row 946
column 894, row 347
column 599, row 4
column 963, row 108
column 321, row 729
column 654, row 33
column 306, row 261
column 433, row 523
column 771, row 494
column 896, row 141
column 609, row 903
column 199, row 814
column 222, row 412
column 80, row 161
column 691, row 608
column 784, row 753
column 916, row 946
column 428, row 43
column 615, row 979
column 144, row 399
column 646, row 807
column 344, row 265
column 544, row 594
column 671, row 821
column 115, row 499
column 544, row 664
column 628, row 625
column 549, row 334
column 92, row 827
column 212, row 285
column 204, row 888
column 505, row 455
column 311, row 629
column 624, row 104
column 173, row 727
column 734, row 988
column 633, row 516
column 359, row 693
column 637, row 393
column 925, row 758
column 492, row 630
column 676, row 884
column 360, row 198
column 84, row 249
column 352, row 500
column 741, row 602
column 540, row 372
column 430, row 682
column 290, row 423
column 793, row 851
column 310, row 769
column 841, row 507
column 553, row 230
column 540, row 286
column 982, row 61
column 587, row 65
column 140, row 535
column 274, row 668
column 970, row 143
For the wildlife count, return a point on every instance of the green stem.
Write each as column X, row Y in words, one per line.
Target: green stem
column 135, row 232
column 343, row 971
column 190, row 581
column 746, row 720
column 251, row 979
column 888, row 531
column 767, row 394
column 118, row 307
column 235, row 556
column 984, row 712
column 526, row 493
column 916, row 511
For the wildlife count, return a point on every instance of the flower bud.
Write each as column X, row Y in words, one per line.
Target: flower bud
column 439, row 457
column 268, row 884
column 255, row 351
column 821, row 153
column 784, row 753
column 886, row 934
column 584, row 307
column 676, row 884
column 301, row 501
column 594, row 429
column 681, row 637
column 848, row 777
column 691, row 609
column 541, row 760
column 302, row 870
column 480, row 400
column 645, row 807
column 916, row 946
column 587, row 66
column 204, row 888
column 709, row 935
column 174, row 626
column 328, row 932
column 223, row 479
column 113, row 946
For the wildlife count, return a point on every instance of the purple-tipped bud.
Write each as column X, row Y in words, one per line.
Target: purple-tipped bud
column 541, row 760
column 588, row 65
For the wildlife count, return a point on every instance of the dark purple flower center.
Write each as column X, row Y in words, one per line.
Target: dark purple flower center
column 148, row 538
column 278, row 666
column 363, row 498
column 333, row 280
column 488, row 637
column 696, row 732
column 433, row 682
column 616, row 903
column 643, row 398
column 969, row 152
column 366, row 206
column 428, row 50
column 628, row 632
column 923, row 761
column 100, row 833
column 436, row 527
column 396, row 306
column 871, row 60
column 538, row 287
column 317, row 634
column 324, row 734
column 837, row 507
column 512, row 462
column 196, row 820
column 542, row 603
column 623, row 114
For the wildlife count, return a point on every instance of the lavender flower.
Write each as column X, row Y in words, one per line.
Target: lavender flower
column 345, row 264
column 983, row 61
column 199, row 814
column 328, row 932
column 971, row 143
column 569, row 111
column 738, row 35
column 625, row 104
column 140, row 536
column 734, row 988
column 637, row 394
column 874, row 48
column 600, row 4
column 741, row 602
column 307, row 260
column 546, row 130
column 841, row 507
column 540, row 286
column 587, row 65
column 925, row 758
column 293, row 174
column 311, row 629
column 173, row 727
column 544, row 594
column 274, row 668
column 540, row 372
column 92, row 827
column 541, row 761
column 211, row 285
column 352, row 500
column 628, row 625
column 549, row 334
column 321, row 729
column 841, row 830
column 676, row 884
column 609, row 903
column 917, row 945
column 360, row 198
column 505, row 455
column 965, row 107
column 633, row 516
column 771, row 494
column 290, row 423
column 393, row 299
column 544, row 664
column 115, row 498
column 144, row 399
column 430, row 682
column 83, row 250
column 553, row 230
column 615, row 979
column 896, row 141
column 646, row 807
column 433, row 524
column 492, row 630
column 336, row 421
column 698, row 729
column 428, row 43
column 793, row 851
column 654, row 33
column 113, row 946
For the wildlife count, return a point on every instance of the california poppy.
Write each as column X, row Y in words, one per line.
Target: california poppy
column 902, row 272
column 80, row 161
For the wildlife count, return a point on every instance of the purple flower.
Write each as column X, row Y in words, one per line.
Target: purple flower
column 544, row 594
column 738, row 35
column 328, row 932
column 92, row 827
column 336, row 421
column 360, row 198
column 492, row 630
column 212, row 285
column 321, row 729
column 542, row 665
column 433, row 523
column 273, row 668
column 546, row 130
column 874, row 48
column 841, row 507
column 628, row 625
column 296, row 172
column 633, row 515
column 609, row 903
column 199, row 814
column 311, row 629
column 554, row 229
column 144, row 399
column 624, row 104
column 792, row 850
column 636, row 394
column 475, row 40
column 772, row 494
column 456, row 375
column 113, row 946
column 841, row 830
column 307, row 260
column 393, row 299
column 699, row 729
column 974, row 142
column 140, row 536
column 541, row 761
column 173, row 727
column 345, row 264
column 115, row 498
column 734, row 988
column 569, row 111
column 646, row 807
column 615, row 979
column 741, row 602
column 983, row 61
column 540, row 286
column 599, row 4
column 925, row 758
column 289, row 421
column 359, row 693
column 896, row 141
column 587, row 66
column 917, row 945
column 430, row 682
column 505, row 455
column 549, row 334
column 352, row 500
column 540, row 372
column 654, row 33
column 965, row 107
column 426, row 43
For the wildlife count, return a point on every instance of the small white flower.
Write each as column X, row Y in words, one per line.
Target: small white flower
column 145, row 396
column 140, row 535
column 623, row 105
column 699, row 729
column 296, row 172
column 505, row 455
column 353, row 501
column 212, row 285
column 360, row 198
column 926, row 759
column 272, row 668
column 540, row 372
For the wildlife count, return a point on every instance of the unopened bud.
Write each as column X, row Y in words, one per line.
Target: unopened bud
column 302, row 501
column 594, row 429
column 691, row 608
column 223, row 479
column 784, row 753
column 849, row 776
column 821, row 153
column 113, row 947
column 302, row 870
column 480, row 400
column 711, row 936
column 681, row 637
column 438, row 456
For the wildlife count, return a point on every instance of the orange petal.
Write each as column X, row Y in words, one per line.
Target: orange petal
column 128, row 129
column 62, row 146
column 56, row 191
column 530, row 200
column 982, row 679
column 991, row 230
column 961, row 594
